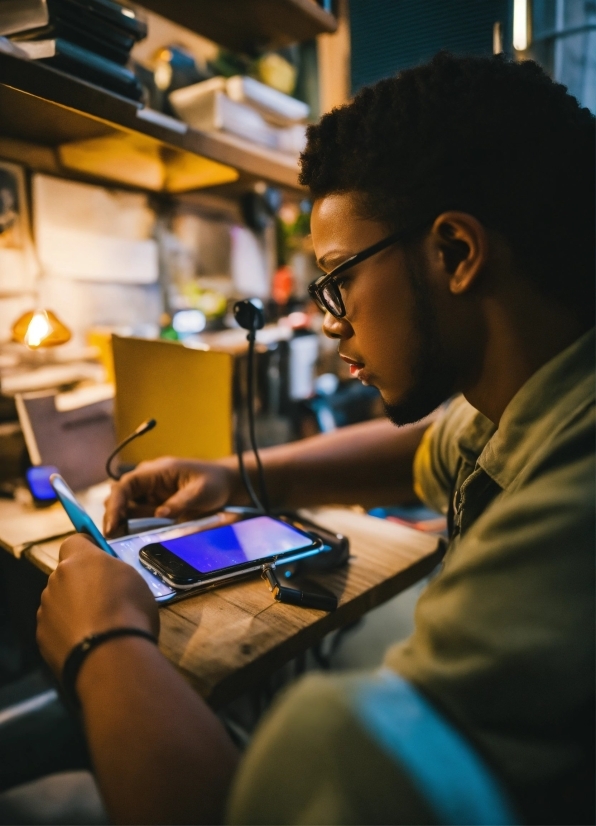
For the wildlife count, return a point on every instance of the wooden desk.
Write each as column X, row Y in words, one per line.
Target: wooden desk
column 227, row 641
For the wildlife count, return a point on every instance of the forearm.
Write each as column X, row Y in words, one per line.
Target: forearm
column 366, row 464
column 159, row 752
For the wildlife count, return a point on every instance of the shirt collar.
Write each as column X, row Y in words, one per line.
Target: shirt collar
column 558, row 391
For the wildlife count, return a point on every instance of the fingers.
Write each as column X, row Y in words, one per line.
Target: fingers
column 78, row 543
column 115, row 511
column 187, row 498
column 174, row 487
column 90, row 592
column 149, row 481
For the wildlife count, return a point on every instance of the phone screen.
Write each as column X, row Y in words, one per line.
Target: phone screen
column 38, row 482
column 252, row 539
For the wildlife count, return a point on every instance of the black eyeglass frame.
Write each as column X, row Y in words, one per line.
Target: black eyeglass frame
column 315, row 289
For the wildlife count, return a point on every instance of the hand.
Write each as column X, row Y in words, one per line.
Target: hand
column 90, row 592
column 168, row 487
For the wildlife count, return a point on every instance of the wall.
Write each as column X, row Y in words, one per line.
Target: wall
column 389, row 35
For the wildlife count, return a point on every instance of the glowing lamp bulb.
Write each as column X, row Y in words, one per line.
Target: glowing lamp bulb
column 520, row 25
column 40, row 328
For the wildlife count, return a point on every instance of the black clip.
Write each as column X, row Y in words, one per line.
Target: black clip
column 292, row 596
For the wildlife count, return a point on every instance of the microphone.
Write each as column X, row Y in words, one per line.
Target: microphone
column 143, row 428
column 250, row 314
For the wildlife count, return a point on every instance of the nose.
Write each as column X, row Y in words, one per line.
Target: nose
column 337, row 327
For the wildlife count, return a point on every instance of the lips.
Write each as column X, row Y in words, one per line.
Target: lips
column 351, row 362
column 356, row 369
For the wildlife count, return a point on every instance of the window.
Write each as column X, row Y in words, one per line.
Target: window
column 564, row 42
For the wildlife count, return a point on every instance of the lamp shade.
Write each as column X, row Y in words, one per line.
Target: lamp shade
column 40, row 328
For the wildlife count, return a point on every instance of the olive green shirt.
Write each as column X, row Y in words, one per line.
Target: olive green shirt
column 504, row 634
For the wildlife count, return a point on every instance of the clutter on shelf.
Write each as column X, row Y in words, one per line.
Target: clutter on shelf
column 91, row 39
column 245, row 107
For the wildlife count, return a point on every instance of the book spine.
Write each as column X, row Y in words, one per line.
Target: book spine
column 96, row 69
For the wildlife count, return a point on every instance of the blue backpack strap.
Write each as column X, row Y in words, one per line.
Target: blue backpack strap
column 441, row 764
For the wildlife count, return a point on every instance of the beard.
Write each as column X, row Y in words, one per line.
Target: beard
column 433, row 379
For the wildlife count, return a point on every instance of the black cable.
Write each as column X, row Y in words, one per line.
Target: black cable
column 251, row 420
column 242, row 468
column 143, row 428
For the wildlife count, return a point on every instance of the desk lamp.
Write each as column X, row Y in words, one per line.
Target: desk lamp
column 40, row 328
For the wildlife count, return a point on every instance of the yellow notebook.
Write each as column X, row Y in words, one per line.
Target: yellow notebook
column 188, row 392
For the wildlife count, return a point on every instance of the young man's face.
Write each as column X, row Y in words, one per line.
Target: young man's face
column 390, row 334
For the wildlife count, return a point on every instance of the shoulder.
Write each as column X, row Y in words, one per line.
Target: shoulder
column 459, row 430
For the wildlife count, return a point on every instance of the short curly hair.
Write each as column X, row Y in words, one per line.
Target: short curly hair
column 484, row 135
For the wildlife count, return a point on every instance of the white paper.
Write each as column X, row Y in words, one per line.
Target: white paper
column 90, row 233
column 304, row 351
column 248, row 264
column 82, row 305
column 87, row 256
column 62, row 203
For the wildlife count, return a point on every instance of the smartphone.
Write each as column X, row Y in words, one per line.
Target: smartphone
column 126, row 549
column 40, row 487
column 227, row 552
column 77, row 514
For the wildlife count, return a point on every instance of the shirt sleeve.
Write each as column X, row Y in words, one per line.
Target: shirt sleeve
column 313, row 761
column 437, row 457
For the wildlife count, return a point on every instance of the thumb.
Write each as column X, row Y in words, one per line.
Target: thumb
column 186, row 498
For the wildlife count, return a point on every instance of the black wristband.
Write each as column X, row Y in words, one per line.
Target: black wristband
column 78, row 654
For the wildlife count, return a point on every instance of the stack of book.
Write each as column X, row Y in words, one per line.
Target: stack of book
column 245, row 107
column 90, row 39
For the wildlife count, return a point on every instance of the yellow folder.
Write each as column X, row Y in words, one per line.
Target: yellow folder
column 188, row 392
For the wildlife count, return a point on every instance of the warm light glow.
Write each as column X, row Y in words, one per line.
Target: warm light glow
column 40, row 328
column 520, row 25
column 497, row 39
column 137, row 160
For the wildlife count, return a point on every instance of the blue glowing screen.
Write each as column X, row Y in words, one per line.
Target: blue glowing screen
column 246, row 541
column 38, row 479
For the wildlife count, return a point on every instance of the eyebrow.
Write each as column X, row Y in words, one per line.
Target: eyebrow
column 323, row 261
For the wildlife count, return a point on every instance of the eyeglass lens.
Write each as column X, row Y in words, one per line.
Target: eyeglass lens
column 332, row 299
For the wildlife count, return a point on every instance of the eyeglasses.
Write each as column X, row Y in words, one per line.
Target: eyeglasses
column 324, row 290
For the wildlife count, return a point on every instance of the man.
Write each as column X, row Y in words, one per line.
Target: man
column 468, row 186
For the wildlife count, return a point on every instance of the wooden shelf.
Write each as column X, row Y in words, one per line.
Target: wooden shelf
column 55, row 123
column 248, row 25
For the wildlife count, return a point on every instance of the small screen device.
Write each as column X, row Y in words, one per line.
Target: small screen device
column 40, row 487
column 126, row 549
column 77, row 515
column 227, row 552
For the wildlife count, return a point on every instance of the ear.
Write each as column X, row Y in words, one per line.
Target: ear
column 462, row 243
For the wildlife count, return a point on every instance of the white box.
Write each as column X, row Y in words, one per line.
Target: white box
column 206, row 107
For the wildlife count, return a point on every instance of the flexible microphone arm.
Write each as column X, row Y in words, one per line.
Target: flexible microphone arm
column 250, row 315
column 251, row 420
column 143, row 428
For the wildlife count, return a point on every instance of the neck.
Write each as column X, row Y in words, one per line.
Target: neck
column 520, row 338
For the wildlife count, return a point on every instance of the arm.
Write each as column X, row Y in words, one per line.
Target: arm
column 367, row 464
column 364, row 464
column 160, row 754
